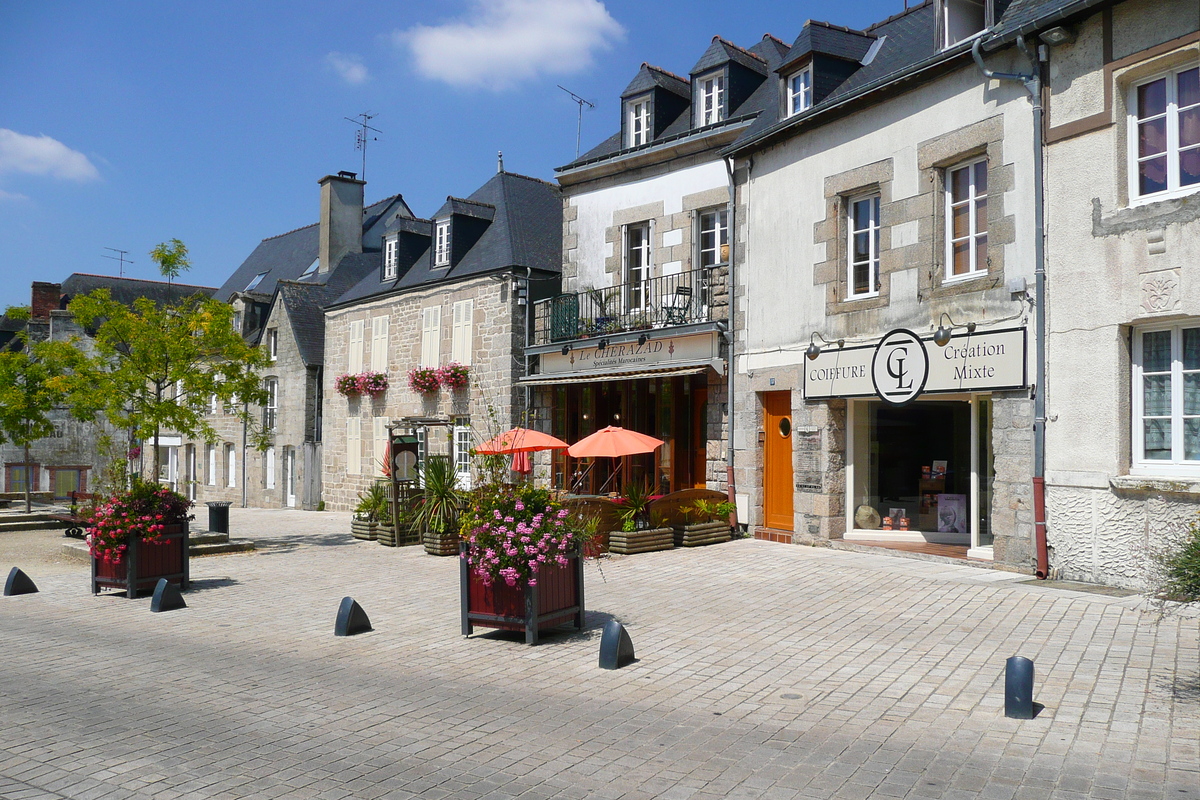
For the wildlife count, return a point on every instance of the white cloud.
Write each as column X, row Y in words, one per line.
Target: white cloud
column 348, row 67
column 11, row 196
column 41, row 155
column 503, row 42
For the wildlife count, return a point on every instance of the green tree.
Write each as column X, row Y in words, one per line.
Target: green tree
column 172, row 259
column 156, row 367
column 33, row 382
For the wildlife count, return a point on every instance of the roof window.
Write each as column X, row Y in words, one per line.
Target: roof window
column 252, row 285
column 961, row 20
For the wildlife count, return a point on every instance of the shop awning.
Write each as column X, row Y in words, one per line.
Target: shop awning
column 667, row 372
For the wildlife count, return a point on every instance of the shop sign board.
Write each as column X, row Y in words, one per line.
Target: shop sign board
column 586, row 357
column 890, row 368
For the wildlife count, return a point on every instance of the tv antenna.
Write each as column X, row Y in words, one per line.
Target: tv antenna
column 120, row 256
column 579, row 126
column 361, row 137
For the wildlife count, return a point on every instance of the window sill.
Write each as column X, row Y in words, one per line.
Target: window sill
column 854, row 297
column 1158, row 197
column 964, row 278
column 1155, row 484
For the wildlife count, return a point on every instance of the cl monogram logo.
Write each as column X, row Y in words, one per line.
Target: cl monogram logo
column 895, row 366
column 900, row 367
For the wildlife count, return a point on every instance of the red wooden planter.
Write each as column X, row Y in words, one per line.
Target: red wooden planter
column 555, row 600
column 145, row 563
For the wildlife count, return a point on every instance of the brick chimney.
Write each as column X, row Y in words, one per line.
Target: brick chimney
column 46, row 298
column 341, row 218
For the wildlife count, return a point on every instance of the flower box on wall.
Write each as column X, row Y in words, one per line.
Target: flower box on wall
column 423, row 380
column 555, row 599
column 144, row 563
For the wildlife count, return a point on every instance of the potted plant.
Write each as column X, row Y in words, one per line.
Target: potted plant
column 639, row 534
column 137, row 536
column 520, row 567
column 372, row 383
column 454, row 375
column 711, row 525
column 604, row 319
column 372, row 504
column 438, row 506
column 346, row 384
column 423, row 380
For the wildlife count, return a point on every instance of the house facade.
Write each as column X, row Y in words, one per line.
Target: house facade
column 451, row 290
column 1122, row 252
column 885, row 290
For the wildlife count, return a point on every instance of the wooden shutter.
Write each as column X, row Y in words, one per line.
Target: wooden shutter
column 379, row 344
column 379, row 440
column 463, row 331
column 354, row 446
column 355, row 362
column 431, row 336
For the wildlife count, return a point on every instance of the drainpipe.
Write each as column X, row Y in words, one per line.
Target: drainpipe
column 245, row 448
column 727, row 333
column 1033, row 84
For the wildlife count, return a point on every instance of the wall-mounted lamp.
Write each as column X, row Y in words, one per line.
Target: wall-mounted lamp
column 603, row 345
column 941, row 337
column 642, row 340
column 1057, row 35
column 566, row 349
column 813, row 350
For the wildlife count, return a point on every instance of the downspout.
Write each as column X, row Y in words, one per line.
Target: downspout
column 1033, row 85
column 245, row 488
column 727, row 333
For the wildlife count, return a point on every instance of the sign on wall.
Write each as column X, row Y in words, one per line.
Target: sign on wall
column 892, row 367
column 587, row 357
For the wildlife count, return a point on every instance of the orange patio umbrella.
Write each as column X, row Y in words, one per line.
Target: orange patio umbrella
column 614, row 442
column 520, row 440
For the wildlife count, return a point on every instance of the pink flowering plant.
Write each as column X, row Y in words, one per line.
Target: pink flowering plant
column 143, row 511
column 372, row 383
column 423, row 380
column 454, row 375
column 510, row 531
column 346, row 384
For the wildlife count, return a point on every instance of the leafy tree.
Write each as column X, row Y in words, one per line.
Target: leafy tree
column 33, row 382
column 172, row 259
column 156, row 367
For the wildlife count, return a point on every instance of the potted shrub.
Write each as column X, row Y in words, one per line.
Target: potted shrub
column 438, row 506
column 346, row 385
column 372, row 383
column 454, row 376
column 138, row 536
column 371, row 505
column 711, row 525
column 520, row 567
column 423, row 380
column 638, row 533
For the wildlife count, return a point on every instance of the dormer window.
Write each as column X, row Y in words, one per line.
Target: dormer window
column 441, row 247
column 712, row 99
column 961, row 20
column 639, row 122
column 252, row 285
column 390, row 258
column 800, row 91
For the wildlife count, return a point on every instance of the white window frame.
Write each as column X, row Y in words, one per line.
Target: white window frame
column 635, row 284
column 971, row 203
column 431, row 336
column 639, row 122
column 800, row 98
column 391, row 258
column 355, row 346
column 270, row 416
column 463, row 442
column 354, row 446
column 441, row 247
column 951, row 9
column 269, row 467
column 273, row 343
column 379, row 343
column 379, row 445
column 719, row 226
column 212, row 465
column 463, row 332
column 230, row 467
column 1173, row 149
column 873, row 231
column 1177, row 465
column 712, row 99
column 214, row 404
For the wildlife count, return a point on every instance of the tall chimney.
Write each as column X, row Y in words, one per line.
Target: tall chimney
column 341, row 218
column 45, row 298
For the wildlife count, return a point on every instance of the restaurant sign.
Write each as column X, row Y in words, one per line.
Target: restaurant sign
column 895, row 367
column 586, row 356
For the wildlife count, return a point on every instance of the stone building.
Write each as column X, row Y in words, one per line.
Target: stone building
column 454, row 288
column 1122, row 261
column 883, row 275
column 279, row 293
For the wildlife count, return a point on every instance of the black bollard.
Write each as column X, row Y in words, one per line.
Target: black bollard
column 351, row 619
column 18, row 583
column 616, row 648
column 166, row 597
column 1018, row 688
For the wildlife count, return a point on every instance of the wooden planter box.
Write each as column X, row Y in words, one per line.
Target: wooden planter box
column 364, row 530
column 145, row 563
column 556, row 600
column 440, row 544
column 389, row 536
column 702, row 533
column 644, row 541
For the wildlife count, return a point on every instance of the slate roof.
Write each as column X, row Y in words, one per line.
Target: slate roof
column 126, row 290
column 288, row 255
column 722, row 52
column 305, row 302
column 830, row 40
column 526, row 231
column 651, row 77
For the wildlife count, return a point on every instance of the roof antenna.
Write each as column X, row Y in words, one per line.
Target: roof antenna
column 579, row 125
column 361, row 137
column 500, row 161
column 119, row 257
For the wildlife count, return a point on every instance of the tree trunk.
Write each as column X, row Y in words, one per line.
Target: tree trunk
column 28, row 481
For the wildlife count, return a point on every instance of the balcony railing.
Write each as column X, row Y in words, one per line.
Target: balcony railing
column 680, row 299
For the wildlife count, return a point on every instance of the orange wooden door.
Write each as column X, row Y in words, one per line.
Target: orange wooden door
column 777, row 461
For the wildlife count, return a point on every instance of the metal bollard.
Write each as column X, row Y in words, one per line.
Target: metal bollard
column 1018, row 688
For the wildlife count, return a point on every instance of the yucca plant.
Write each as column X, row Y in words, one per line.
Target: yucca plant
column 440, row 503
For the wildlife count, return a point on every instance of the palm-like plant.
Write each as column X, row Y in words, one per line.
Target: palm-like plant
column 441, row 502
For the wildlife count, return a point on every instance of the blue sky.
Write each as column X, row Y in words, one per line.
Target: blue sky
column 124, row 124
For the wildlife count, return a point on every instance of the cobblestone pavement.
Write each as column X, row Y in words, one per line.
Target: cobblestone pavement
column 764, row 670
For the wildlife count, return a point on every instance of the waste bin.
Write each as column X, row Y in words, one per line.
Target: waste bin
column 218, row 516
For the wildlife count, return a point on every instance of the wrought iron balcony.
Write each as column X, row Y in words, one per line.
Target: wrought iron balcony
column 684, row 298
